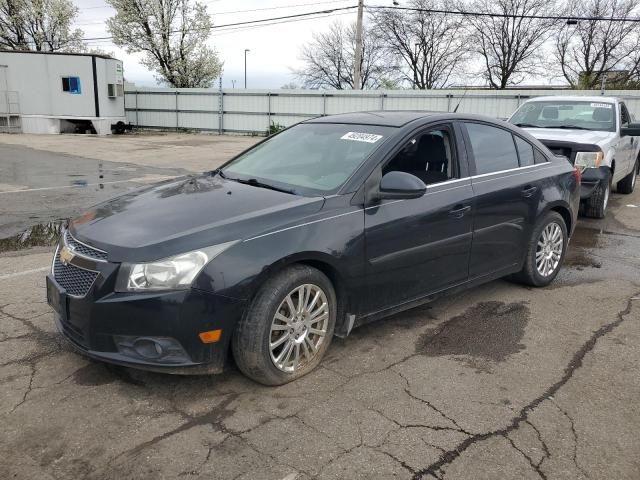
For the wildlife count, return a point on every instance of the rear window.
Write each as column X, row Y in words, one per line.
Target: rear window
column 493, row 148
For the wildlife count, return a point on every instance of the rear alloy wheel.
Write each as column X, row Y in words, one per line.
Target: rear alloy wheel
column 596, row 204
column 545, row 251
column 628, row 183
column 288, row 327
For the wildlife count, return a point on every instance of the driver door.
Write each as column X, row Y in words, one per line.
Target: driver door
column 419, row 246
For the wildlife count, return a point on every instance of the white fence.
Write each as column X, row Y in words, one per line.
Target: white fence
column 248, row 111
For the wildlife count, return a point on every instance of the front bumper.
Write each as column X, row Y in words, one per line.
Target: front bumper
column 94, row 323
column 591, row 179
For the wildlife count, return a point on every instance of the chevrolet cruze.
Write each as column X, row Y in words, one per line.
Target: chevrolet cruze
column 330, row 224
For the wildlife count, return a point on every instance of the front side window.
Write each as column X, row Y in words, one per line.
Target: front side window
column 71, row 85
column 493, row 148
column 313, row 158
column 429, row 156
column 577, row 115
column 625, row 118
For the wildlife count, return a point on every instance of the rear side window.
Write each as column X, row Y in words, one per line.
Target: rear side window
column 540, row 158
column 525, row 152
column 493, row 148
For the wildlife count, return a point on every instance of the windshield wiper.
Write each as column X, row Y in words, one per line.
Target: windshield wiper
column 256, row 183
column 526, row 125
column 570, row 127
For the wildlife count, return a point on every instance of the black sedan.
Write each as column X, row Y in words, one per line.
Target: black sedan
column 330, row 224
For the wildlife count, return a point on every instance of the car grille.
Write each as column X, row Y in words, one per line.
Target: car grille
column 82, row 249
column 76, row 281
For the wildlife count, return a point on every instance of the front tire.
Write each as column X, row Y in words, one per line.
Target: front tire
column 288, row 327
column 628, row 183
column 545, row 251
column 596, row 204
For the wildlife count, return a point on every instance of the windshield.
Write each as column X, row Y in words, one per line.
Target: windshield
column 581, row 115
column 309, row 158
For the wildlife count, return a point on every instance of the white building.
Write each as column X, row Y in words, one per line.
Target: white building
column 44, row 92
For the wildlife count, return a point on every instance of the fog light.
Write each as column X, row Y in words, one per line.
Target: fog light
column 160, row 350
column 148, row 348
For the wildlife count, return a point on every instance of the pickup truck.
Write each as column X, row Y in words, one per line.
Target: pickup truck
column 596, row 134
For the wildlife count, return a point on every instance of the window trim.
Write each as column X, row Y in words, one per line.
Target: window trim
column 445, row 125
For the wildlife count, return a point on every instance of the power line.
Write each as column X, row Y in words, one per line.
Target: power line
column 506, row 15
column 95, row 43
column 98, row 22
column 247, row 22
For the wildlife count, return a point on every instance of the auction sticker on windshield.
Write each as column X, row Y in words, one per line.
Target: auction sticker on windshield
column 601, row 105
column 361, row 137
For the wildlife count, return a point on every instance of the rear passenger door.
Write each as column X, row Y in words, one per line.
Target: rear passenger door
column 507, row 189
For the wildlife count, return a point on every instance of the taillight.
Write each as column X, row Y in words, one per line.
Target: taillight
column 577, row 175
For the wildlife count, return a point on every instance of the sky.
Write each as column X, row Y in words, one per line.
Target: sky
column 274, row 49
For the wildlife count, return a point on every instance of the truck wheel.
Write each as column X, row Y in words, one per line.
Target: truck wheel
column 596, row 204
column 545, row 251
column 628, row 183
column 288, row 327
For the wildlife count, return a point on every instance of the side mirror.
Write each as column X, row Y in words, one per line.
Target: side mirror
column 633, row 130
column 401, row 185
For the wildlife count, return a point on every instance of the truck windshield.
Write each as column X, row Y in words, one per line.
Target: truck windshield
column 309, row 158
column 581, row 115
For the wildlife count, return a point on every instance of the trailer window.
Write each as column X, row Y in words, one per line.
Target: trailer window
column 71, row 85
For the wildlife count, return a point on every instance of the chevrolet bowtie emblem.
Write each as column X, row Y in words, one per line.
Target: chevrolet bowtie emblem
column 66, row 255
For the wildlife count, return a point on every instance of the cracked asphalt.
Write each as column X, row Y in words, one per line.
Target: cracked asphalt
column 501, row 381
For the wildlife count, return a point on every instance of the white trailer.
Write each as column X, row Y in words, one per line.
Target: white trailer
column 42, row 92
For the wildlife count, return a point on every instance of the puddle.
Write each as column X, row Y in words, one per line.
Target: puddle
column 486, row 332
column 41, row 235
column 584, row 239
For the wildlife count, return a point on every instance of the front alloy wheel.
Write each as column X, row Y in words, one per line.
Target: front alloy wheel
column 299, row 327
column 288, row 326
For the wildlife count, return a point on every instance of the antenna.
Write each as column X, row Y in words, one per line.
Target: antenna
column 466, row 89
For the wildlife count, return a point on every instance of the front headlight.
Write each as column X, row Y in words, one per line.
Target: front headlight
column 173, row 273
column 589, row 159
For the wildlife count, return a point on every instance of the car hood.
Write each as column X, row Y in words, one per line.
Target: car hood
column 590, row 137
column 186, row 214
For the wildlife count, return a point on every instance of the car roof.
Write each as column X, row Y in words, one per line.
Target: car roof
column 397, row 118
column 388, row 118
column 575, row 98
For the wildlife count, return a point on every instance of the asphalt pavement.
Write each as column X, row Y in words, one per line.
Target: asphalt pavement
column 501, row 381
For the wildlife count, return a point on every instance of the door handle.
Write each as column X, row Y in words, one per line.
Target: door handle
column 459, row 211
column 529, row 190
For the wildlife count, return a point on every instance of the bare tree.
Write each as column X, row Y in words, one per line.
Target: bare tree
column 429, row 46
column 172, row 34
column 329, row 59
column 41, row 25
column 591, row 48
column 510, row 43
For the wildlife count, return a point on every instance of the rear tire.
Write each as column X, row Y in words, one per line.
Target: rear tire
column 545, row 253
column 628, row 183
column 288, row 327
column 596, row 205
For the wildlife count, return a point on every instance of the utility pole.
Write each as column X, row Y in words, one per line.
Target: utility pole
column 245, row 66
column 357, row 74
